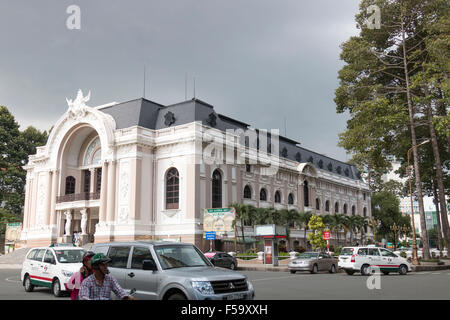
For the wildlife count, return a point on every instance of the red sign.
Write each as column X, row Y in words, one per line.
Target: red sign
column 268, row 251
column 327, row 235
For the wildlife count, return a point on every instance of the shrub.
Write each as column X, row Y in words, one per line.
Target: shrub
column 300, row 249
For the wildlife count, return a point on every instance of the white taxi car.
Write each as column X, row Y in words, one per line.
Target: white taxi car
column 363, row 259
column 50, row 267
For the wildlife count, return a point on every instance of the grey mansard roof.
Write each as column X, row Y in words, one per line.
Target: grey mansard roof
column 151, row 115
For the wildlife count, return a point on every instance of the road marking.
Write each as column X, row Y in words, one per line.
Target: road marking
column 436, row 273
column 276, row 278
column 14, row 281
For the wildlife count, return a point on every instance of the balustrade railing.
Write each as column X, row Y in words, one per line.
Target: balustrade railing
column 78, row 197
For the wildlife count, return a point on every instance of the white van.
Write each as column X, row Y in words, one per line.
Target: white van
column 51, row 267
column 361, row 259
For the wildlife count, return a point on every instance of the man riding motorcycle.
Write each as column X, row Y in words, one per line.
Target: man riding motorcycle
column 99, row 285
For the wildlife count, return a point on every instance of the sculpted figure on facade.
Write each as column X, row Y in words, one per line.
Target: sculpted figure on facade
column 84, row 220
column 68, row 215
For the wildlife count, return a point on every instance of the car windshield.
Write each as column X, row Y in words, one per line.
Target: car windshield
column 308, row 255
column 347, row 251
column 69, row 256
column 179, row 256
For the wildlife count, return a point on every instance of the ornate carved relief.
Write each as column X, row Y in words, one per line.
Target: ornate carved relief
column 124, row 190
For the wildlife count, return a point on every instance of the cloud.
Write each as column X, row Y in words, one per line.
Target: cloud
column 257, row 61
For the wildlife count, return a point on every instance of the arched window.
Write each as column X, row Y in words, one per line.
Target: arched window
column 263, row 195
column 353, row 210
column 93, row 153
column 290, row 199
column 216, row 189
column 70, row 185
column 327, row 205
column 336, row 207
column 277, row 197
column 172, row 189
column 306, row 193
column 317, row 204
column 247, row 192
column 365, row 212
column 345, row 208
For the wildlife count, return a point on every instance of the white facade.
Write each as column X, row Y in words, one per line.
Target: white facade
column 129, row 199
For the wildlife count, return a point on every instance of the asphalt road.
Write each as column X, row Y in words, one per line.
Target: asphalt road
column 299, row 286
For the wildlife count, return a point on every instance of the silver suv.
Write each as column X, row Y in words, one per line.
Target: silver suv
column 161, row 270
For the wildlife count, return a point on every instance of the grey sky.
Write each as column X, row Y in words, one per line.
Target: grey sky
column 258, row 61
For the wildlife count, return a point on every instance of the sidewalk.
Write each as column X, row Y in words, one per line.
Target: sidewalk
column 255, row 265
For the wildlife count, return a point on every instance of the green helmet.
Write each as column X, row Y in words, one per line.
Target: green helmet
column 99, row 258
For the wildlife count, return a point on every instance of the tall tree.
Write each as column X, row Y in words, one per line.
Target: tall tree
column 376, row 88
column 15, row 147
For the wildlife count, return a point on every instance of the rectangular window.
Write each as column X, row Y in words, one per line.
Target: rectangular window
column 139, row 255
column 49, row 257
column 98, row 177
column 87, row 181
column 119, row 256
column 101, row 249
column 39, row 255
column 31, row 254
column 374, row 252
column 363, row 252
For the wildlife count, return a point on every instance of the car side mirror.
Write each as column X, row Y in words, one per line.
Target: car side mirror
column 149, row 265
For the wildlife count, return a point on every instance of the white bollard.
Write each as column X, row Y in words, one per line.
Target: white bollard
column 261, row 256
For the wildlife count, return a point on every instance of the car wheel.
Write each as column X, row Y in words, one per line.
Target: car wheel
column 176, row 296
column 315, row 269
column 56, row 288
column 403, row 270
column 233, row 266
column 333, row 269
column 350, row 272
column 29, row 287
column 365, row 270
column 292, row 271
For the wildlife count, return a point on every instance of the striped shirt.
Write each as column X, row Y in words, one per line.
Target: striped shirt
column 91, row 290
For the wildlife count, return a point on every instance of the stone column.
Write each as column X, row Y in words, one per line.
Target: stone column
column 93, row 172
column 111, row 192
column 48, row 198
column 103, row 193
column 312, row 196
column 32, row 204
column 301, row 201
column 135, row 188
column 26, row 210
column 54, row 194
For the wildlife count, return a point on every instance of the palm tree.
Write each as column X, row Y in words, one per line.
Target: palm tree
column 287, row 217
column 244, row 213
column 351, row 223
column 363, row 224
column 304, row 220
column 336, row 225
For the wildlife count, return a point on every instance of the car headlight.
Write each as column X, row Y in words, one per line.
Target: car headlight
column 67, row 273
column 204, row 287
column 249, row 286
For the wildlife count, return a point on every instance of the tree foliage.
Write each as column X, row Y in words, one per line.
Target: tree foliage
column 15, row 147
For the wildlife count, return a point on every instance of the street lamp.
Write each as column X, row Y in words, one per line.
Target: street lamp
column 396, row 229
column 405, row 229
column 374, row 224
column 415, row 260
